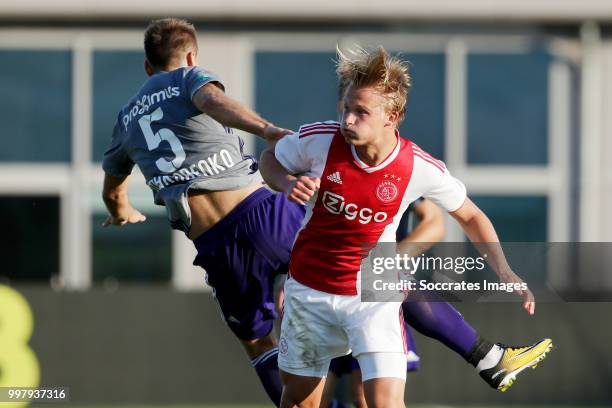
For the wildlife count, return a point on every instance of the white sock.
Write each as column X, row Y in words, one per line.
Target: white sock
column 491, row 359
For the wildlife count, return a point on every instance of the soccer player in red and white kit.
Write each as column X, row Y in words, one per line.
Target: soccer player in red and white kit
column 357, row 177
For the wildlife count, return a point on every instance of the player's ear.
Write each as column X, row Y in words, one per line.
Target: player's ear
column 148, row 68
column 191, row 58
column 392, row 118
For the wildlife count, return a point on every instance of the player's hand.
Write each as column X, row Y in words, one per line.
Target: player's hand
column 302, row 189
column 528, row 299
column 132, row 216
column 273, row 133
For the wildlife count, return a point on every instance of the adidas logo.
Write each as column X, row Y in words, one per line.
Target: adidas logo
column 335, row 177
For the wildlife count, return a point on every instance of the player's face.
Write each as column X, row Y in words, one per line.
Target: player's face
column 363, row 116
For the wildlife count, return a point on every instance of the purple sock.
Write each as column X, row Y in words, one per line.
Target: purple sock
column 266, row 366
column 441, row 321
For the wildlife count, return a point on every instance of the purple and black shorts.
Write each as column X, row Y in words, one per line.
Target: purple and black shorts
column 243, row 253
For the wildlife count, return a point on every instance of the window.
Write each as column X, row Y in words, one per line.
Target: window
column 424, row 122
column 516, row 218
column 30, row 226
column 118, row 75
column 293, row 88
column 519, row 219
column 134, row 253
column 507, row 115
column 35, row 108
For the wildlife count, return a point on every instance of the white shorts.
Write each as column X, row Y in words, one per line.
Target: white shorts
column 318, row 326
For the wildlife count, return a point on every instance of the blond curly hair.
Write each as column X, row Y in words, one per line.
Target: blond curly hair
column 376, row 68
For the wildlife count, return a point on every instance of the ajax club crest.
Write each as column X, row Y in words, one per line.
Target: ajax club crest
column 387, row 191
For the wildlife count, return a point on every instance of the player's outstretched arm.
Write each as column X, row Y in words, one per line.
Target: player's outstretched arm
column 115, row 196
column 211, row 100
column 480, row 231
column 273, row 173
column 297, row 189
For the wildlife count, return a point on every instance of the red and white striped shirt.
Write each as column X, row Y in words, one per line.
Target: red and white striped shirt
column 357, row 205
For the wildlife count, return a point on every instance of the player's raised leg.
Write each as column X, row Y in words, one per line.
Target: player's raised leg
column 263, row 353
column 439, row 320
column 503, row 363
column 242, row 255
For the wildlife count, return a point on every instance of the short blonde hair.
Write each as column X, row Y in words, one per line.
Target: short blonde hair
column 389, row 75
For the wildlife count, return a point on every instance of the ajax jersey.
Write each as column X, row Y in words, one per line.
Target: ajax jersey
column 357, row 205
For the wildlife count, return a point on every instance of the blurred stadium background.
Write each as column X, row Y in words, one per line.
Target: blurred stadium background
column 515, row 96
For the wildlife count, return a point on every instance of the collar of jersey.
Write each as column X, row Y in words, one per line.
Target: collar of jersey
column 385, row 163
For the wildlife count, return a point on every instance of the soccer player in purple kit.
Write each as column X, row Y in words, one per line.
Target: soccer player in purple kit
column 178, row 130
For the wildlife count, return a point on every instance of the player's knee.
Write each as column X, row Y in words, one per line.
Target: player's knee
column 301, row 391
column 291, row 403
column 384, row 392
column 297, row 400
column 384, row 400
column 256, row 347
